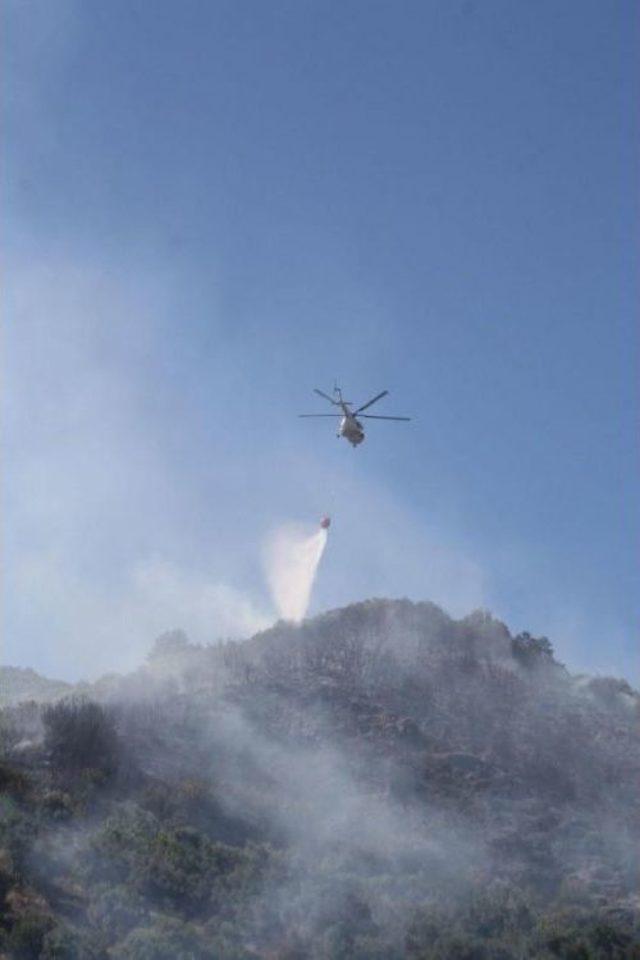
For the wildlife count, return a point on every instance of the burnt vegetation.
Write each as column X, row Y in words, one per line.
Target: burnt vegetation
column 382, row 782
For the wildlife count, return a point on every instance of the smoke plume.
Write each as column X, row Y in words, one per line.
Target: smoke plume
column 291, row 560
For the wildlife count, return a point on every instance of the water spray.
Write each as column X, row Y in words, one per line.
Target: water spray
column 291, row 559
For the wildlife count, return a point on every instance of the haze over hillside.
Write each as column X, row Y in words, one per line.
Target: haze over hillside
column 18, row 684
column 379, row 782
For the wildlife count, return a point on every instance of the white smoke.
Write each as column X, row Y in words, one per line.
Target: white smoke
column 291, row 561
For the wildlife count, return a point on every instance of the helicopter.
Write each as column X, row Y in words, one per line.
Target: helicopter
column 350, row 427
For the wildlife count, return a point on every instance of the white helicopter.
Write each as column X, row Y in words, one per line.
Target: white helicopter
column 350, row 427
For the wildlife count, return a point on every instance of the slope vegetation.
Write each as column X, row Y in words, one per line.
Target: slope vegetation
column 380, row 782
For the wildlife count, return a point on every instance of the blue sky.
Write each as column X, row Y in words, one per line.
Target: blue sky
column 213, row 207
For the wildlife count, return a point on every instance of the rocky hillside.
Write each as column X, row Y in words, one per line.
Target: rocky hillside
column 380, row 782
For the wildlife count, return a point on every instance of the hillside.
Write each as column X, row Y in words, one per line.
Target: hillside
column 379, row 782
column 18, row 684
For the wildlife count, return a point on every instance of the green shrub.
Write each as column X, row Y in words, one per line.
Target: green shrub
column 61, row 944
column 164, row 940
column 27, row 937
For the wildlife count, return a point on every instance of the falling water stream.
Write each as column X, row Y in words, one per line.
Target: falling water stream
column 291, row 560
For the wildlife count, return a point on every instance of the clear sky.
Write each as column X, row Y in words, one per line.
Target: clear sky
column 212, row 207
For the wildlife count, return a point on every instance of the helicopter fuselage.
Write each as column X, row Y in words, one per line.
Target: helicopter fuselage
column 350, row 428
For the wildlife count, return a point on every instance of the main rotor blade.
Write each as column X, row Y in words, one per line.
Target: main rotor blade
column 372, row 416
column 370, row 402
column 325, row 395
column 338, row 415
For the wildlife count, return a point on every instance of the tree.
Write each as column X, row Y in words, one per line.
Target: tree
column 81, row 735
column 531, row 651
column 171, row 644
